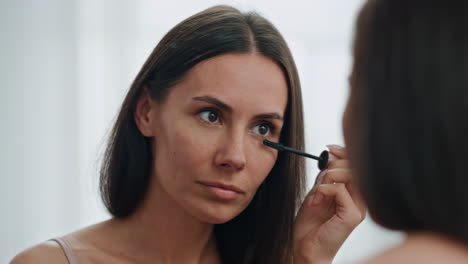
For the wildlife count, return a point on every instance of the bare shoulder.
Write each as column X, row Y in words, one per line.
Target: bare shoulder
column 423, row 250
column 83, row 245
column 380, row 259
column 46, row 252
column 388, row 256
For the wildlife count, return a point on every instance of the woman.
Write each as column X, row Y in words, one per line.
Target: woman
column 186, row 176
column 406, row 125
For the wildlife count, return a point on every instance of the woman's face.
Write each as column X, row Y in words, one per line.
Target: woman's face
column 208, row 153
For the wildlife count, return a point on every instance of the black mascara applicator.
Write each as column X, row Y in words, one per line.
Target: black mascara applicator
column 322, row 159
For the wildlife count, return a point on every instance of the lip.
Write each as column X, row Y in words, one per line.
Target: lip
column 222, row 186
column 222, row 191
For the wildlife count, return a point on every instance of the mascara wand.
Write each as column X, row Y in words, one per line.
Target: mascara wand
column 322, row 159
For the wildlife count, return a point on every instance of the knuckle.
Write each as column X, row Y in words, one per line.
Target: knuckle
column 338, row 175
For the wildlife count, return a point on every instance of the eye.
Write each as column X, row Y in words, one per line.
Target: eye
column 209, row 116
column 263, row 129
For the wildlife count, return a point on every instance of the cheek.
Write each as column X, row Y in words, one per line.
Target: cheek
column 190, row 149
column 261, row 162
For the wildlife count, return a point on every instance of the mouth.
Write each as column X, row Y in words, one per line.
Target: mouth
column 222, row 191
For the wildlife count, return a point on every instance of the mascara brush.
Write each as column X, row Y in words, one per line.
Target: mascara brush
column 322, row 159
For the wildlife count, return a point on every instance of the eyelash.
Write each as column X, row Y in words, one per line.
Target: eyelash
column 271, row 127
column 209, row 109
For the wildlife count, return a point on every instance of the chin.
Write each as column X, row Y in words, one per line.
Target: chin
column 219, row 218
column 219, row 214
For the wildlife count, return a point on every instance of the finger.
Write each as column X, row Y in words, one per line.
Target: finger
column 340, row 163
column 338, row 151
column 344, row 176
column 339, row 175
column 346, row 209
column 319, row 178
column 330, row 176
column 334, row 231
column 318, row 181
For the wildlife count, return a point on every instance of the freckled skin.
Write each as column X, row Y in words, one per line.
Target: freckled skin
column 229, row 152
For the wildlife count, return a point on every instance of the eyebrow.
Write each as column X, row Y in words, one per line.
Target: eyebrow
column 227, row 108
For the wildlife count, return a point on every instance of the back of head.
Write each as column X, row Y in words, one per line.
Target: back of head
column 409, row 102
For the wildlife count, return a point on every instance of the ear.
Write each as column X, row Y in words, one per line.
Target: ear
column 144, row 114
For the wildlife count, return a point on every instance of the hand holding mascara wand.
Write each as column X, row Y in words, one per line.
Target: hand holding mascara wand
column 322, row 159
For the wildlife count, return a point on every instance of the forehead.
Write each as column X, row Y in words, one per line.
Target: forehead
column 238, row 80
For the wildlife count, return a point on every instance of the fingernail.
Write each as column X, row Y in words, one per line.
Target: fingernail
column 319, row 178
column 337, row 147
column 331, row 157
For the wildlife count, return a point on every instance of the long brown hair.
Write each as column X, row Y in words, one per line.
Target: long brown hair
column 262, row 233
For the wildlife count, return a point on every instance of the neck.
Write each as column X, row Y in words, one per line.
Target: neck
column 161, row 230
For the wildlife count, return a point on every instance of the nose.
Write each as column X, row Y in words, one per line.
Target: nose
column 231, row 152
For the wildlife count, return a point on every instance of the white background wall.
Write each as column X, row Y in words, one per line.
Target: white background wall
column 65, row 67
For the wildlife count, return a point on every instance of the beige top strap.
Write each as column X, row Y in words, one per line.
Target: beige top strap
column 66, row 249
